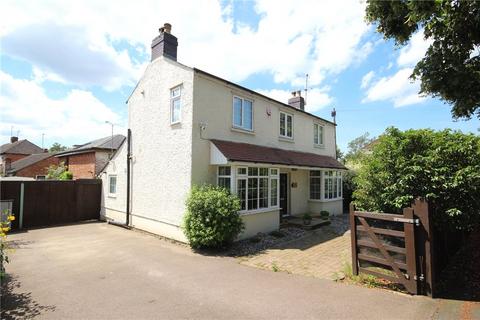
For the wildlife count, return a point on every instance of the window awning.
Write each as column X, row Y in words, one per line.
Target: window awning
column 223, row 152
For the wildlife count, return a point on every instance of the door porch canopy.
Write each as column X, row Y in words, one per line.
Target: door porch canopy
column 225, row 152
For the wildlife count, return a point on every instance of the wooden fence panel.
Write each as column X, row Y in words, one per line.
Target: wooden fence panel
column 49, row 203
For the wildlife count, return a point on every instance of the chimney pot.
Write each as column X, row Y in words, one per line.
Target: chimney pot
column 167, row 27
column 13, row 139
column 299, row 92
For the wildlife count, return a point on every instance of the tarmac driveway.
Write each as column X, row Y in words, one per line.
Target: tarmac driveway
column 99, row 271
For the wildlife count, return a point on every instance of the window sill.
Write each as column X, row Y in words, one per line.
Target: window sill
column 236, row 129
column 112, row 196
column 319, row 146
column 286, row 139
column 175, row 123
column 325, row 200
column 257, row 211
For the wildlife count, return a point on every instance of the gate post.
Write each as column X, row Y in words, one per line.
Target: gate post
column 353, row 233
column 424, row 244
column 411, row 256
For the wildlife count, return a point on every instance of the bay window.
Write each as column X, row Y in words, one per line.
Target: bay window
column 315, row 185
column 332, row 184
column 257, row 188
column 325, row 185
column 224, row 179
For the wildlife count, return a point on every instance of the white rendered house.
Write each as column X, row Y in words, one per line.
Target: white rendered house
column 189, row 127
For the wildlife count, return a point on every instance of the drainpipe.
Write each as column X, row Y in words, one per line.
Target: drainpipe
column 126, row 225
column 129, row 158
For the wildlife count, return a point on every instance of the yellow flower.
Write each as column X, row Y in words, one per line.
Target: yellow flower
column 11, row 218
column 5, row 229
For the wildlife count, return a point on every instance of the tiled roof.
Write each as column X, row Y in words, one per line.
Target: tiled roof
column 103, row 143
column 245, row 152
column 28, row 161
column 20, row 147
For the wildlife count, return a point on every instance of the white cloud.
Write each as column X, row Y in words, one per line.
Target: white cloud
column 72, row 57
column 316, row 98
column 79, row 116
column 414, row 51
column 398, row 89
column 292, row 38
column 367, row 78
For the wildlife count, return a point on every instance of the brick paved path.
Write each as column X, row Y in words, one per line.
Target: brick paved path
column 320, row 254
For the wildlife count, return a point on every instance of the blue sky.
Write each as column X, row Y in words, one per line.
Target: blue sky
column 67, row 67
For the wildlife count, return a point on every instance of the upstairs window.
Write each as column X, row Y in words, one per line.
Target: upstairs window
column 242, row 113
column 286, row 125
column 175, row 105
column 318, row 134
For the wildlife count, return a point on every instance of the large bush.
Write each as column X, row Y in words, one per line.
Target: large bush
column 441, row 166
column 212, row 219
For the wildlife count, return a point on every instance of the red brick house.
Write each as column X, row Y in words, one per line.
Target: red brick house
column 33, row 166
column 14, row 151
column 88, row 160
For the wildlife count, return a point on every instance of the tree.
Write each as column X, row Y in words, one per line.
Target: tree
column 450, row 69
column 441, row 166
column 356, row 147
column 59, row 172
column 57, row 147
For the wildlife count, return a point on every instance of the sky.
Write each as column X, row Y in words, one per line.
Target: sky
column 66, row 67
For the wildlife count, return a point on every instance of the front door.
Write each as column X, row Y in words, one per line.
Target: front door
column 283, row 194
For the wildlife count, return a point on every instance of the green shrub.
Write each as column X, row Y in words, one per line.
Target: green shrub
column 66, row 175
column 441, row 166
column 324, row 214
column 212, row 219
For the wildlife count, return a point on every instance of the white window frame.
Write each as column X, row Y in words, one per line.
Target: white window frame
column 172, row 101
column 110, row 194
column 336, row 179
column 224, row 176
column 326, row 196
column 236, row 175
column 322, row 127
column 310, row 177
column 242, row 126
column 285, row 136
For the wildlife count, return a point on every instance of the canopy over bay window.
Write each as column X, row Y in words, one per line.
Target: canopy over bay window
column 267, row 179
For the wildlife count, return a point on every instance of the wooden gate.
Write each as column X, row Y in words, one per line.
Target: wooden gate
column 394, row 247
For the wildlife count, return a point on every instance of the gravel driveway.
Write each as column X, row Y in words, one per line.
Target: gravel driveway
column 98, row 271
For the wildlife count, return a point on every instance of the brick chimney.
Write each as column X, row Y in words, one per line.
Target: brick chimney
column 165, row 44
column 13, row 139
column 297, row 100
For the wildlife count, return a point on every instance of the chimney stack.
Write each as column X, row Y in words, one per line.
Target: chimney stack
column 13, row 139
column 297, row 100
column 165, row 44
